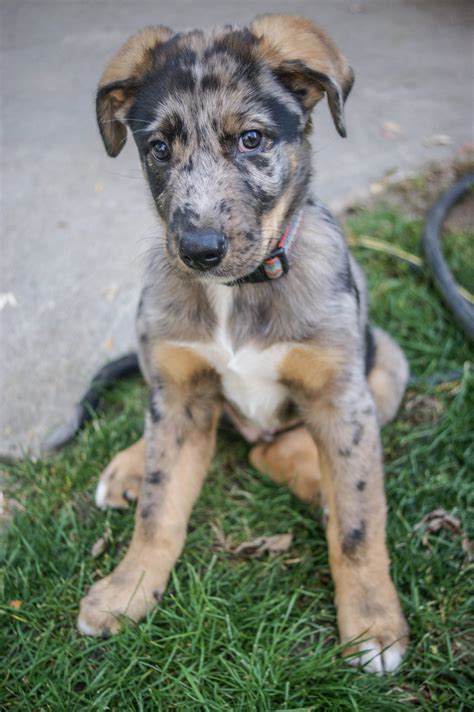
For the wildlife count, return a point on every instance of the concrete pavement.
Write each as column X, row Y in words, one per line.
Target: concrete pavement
column 76, row 224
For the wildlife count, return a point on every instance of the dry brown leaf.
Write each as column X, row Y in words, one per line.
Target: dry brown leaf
column 435, row 521
column 100, row 545
column 16, row 604
column 391, row 130
column 272, row 545
column 423, row 409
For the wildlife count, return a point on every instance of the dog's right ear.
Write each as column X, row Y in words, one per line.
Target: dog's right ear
column 120, row 81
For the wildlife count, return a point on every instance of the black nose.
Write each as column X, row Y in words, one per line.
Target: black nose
column 202, row 249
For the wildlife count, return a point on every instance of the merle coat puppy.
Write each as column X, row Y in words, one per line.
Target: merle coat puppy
column 252, row 304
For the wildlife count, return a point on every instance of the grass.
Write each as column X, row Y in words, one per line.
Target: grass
column 246, row 634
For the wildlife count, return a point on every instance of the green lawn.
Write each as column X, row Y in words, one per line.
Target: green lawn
column 256, row 634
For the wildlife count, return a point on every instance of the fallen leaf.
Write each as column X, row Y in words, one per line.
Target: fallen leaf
column 423, row 409
column 391, row 130
column 437, row 140
column 271, row 545
column 376, row 188
column 100, row 545
column 7, row 299
column 16, row 604
column 110, row 292
column 435, row 521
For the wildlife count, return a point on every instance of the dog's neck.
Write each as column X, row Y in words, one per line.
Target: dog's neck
column 276, row 264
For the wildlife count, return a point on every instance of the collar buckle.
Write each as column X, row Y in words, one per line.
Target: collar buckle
column 277, row 264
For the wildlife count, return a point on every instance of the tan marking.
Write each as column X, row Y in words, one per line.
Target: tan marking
column 135, row 57
column 285, row 38
column 312, row 367
column 178, row 363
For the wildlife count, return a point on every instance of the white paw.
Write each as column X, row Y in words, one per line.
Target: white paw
column 374, row 658
column 100, row 495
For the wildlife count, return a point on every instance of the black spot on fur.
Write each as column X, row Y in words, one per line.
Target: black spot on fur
column 250, row 236
column 261, row 161
column 188, row 166
column 179, row 440
column 361, row 485
column 154, row 478
column 370, row 353
column 146, row 511
column 157, row 595
column 184, row 218
column 173, row 128
column 353, row 540
column 266, row 199
column 286, row 121
column 210, row 82
column 105, row 633
column 358, row 433
column 344, row 451
column 189, row 413
column 153, row 407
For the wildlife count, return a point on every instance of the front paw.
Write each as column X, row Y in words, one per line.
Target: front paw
column 120, row 594
column 375, row 618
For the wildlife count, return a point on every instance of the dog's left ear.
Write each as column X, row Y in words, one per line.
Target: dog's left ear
column 306, row 61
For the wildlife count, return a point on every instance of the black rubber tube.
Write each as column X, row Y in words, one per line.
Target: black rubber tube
column 462, row 310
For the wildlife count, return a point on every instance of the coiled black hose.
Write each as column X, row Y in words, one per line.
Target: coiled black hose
column 461, row 308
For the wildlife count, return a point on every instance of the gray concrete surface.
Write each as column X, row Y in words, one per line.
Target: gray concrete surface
column 76, row 224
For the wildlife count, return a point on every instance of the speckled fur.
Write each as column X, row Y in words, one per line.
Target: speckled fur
column 198, row 92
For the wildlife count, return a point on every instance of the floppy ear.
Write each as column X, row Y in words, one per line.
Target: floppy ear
column 306, row 61
column 120, row 81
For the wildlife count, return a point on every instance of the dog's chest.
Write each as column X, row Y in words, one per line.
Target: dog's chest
column 249, row 374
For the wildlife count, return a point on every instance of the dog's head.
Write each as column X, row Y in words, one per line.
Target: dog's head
column 221, row 121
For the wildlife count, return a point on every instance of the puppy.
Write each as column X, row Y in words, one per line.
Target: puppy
column 251, row 304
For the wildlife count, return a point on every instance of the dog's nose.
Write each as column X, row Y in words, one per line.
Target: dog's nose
column 202, row 249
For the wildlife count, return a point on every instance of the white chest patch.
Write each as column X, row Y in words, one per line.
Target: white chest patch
column 250, row 374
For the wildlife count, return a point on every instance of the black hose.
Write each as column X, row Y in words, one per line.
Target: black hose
column 462, row 310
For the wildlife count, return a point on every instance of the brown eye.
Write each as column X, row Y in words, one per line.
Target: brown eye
column 249, row 141
column 160, row 150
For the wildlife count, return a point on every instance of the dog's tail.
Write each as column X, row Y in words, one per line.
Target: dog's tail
column 106, row 377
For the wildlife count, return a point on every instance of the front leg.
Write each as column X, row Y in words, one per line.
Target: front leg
column 180, row 432
column 352, row 481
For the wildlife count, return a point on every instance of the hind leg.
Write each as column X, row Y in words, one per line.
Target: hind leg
column 291, row 459
column 120, row 482
column 389, row 376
